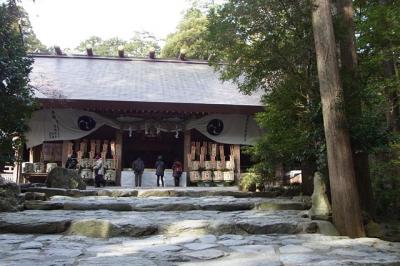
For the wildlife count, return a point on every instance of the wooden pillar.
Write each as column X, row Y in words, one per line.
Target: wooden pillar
column 186, row 149
column 64, row 156
column 31, row 155
column 118, row 154
column 236, row 157
column 17, row 173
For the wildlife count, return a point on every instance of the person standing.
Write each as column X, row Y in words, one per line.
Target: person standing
column 72, row 161
column 138, row 168
column 177, row 170
column 99, row 172
column 160, row 167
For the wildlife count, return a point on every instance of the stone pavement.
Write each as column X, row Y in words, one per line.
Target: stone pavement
column 178, row 227
column 208, row 249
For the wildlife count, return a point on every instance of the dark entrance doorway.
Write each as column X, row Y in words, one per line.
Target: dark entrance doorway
column 149, row 147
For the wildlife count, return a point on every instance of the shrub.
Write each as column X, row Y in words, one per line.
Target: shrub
column 385, row 177
column 252, row 181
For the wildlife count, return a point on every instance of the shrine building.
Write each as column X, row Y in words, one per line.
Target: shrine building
column 123, row 108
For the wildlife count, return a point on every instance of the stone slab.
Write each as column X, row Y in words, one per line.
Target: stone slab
column 294, row 249
column 199, row 246
column 129, row 191
column 122, row 202
column 206, row 254
column 31, row 245
column 173, row 250
column 105, row 223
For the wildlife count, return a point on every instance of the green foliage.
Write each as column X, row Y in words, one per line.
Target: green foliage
column 262, row 42
column 294, row 129
column 268, row 45
column 385, row 174
column 140, row 44
column 378, row 31
column 137, row 46
column 96, row 44
column 252, row 181
column 16, row 101
column 378, row 40
column 32, row 43
column 190, row 36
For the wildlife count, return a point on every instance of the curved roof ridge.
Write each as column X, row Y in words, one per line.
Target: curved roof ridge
column 116, row 58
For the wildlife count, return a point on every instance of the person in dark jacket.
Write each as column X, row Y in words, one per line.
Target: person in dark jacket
column 177, row 170
column 138, row 168
column 72, row 161
column 99, row 172
column 160, row 167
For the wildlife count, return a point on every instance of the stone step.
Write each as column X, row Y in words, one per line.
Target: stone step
column 105, row 223
column 226, row 203
column 209, row 249
column 161, row 192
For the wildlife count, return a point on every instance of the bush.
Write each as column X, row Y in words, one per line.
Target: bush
column 385, row 176
column 252, row 181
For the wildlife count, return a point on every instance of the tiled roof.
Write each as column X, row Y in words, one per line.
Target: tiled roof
column 82, row 78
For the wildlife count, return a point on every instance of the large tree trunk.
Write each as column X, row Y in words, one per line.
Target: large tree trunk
column 280, row 173
column 308, row 168
column 351, row 89
column 345, row 200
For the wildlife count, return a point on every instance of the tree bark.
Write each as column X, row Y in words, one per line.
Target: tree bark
column 280, row 173
column 352, row 100
column 308, row 168
column 345, row 200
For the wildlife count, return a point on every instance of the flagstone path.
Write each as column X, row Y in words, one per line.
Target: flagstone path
column 178, row 227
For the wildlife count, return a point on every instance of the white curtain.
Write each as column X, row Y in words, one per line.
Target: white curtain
column 235, row 129
column 63, row 124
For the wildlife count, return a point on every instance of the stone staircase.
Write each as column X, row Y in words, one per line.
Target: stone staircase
column 214, row 226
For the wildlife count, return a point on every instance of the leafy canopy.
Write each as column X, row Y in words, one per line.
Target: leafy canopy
column 32, row 43
column 137, row 46
column 16, row 101
column 268, row 45
column 190, row 36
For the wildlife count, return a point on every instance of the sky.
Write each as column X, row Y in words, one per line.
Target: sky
column 68, row 22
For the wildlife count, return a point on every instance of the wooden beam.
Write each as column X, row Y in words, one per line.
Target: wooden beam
column 118, row 154
column 186, row 149
column 236, row 157
column 147, row 107
column 89, row 50
column 64, row 156
column 31, row 155
column 121, row 51
column 57, row 49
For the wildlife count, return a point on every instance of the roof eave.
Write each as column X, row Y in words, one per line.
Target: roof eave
column 113, row 58
column 154, row 107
